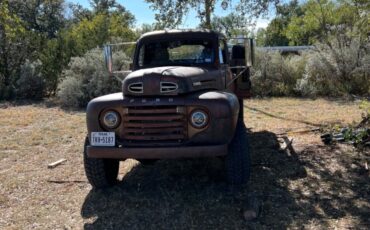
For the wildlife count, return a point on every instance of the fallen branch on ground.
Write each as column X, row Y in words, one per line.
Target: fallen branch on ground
column 299, row 132
column 66, row 181
column 56, row 163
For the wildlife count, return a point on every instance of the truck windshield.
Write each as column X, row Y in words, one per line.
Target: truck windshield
column 179, row 52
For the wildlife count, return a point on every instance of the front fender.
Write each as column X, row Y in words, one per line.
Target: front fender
column 99, row 104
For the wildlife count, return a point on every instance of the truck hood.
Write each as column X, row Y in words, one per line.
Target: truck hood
column 172, row 80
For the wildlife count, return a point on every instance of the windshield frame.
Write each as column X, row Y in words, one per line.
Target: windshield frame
column 213, row 44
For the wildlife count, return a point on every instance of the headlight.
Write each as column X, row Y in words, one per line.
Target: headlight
column 199, row 119
column 111, row 119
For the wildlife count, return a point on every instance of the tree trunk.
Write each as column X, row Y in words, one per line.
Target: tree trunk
column 208, row 10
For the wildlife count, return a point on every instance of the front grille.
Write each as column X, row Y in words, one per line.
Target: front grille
column 154, row 124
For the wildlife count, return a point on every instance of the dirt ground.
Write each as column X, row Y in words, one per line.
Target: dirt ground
column 307, row 186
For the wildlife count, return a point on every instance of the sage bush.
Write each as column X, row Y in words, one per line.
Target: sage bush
column 86, row 78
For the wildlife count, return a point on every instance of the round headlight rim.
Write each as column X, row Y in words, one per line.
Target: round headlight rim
column 102, row 119
column 207, row 118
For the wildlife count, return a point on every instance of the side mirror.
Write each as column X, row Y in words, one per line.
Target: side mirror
column 249, row 45
column 108, row 58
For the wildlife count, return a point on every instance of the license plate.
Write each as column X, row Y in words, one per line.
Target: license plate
column 103, row 139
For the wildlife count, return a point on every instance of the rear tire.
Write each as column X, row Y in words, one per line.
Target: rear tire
column 237, row 161
column 101, row 173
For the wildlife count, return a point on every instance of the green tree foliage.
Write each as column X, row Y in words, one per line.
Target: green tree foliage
column 314, row 21
column 275, row 33
column 41, row 30
column 45, row 17
column 261, row 37
column 99, row 27
column 230, row 25
column 12, row 49
column 33, row 23
column 324, row 19
column 88, row 34
column 171, row 12
column 314, row 24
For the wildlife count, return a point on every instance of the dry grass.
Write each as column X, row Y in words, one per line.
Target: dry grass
column 279, row 115
column 311, row 186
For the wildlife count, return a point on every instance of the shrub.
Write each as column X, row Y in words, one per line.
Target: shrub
column 30, row 84
column 337, row 68
column 70, row 92
column 87, row 78
column 276, row 75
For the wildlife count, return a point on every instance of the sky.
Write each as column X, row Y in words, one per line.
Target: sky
column 143, row 14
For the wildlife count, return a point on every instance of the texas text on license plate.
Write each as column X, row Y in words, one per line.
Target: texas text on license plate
column 103, row 139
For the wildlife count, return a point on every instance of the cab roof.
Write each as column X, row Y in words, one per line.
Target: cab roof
column 194, row 33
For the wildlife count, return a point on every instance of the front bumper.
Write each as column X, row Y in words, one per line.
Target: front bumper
column 157, row 152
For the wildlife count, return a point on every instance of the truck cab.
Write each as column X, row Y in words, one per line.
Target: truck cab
column 182, row 98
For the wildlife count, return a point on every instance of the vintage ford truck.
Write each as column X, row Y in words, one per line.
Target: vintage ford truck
column 182, row 98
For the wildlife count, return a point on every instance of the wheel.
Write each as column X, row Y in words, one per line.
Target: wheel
column 237, row 161
column 101, row 173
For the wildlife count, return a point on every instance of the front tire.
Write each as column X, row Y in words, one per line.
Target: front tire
column 237, row 161
column 101, row 173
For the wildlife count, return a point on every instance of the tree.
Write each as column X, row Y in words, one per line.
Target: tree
column 230, row 25
column 88, row 33
column 104, row 6
column 312, row 26
column 42, row 16
column 275, row 34
column 44, row 30
column 171, row 12
column 144, row 28
column 41, row 22
column 261, row 37
column 78, row 13
column 13, row 49
column 323, row 19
